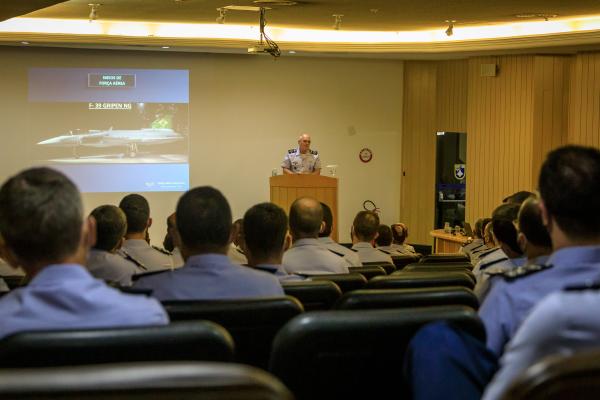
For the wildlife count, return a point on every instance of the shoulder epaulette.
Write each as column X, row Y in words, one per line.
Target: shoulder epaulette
column 386, row 252
column 486, row 252
column 583, row 286
column 354, row 250
column 290, row 151
column 336, row 253
column 269, row 270
column 160, row 249
column 489, row 264
column 240, row 251
column 314, row 152
column 525, row 270
column 128, row 257
column 135, row 277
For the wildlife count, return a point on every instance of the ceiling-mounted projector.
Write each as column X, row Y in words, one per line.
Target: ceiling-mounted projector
column 261, row 48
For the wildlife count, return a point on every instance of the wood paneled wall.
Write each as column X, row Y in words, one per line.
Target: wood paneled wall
column 533, row 105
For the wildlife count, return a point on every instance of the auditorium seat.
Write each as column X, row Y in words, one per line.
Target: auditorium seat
column 141, row 381
column 369, row 272
column 314, row 295
column 192, row 341
column 346, row 282
column 15, row 281
column 443, row 257
column 403, row 298
column 436, row 268
column 389, row 268
column 448, row 264
column 558, row 378
column 404, row 280
column 402, row 261
column 355, row 354
column 252, row 323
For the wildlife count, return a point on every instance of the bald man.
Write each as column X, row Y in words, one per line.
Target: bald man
column 302, row 160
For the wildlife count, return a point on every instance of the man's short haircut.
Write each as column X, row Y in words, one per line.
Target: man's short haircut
column 111, row 225
column 265, row 227
column 137, row 211
column 41, row 216
column 365, row 225
column 518, row 197
column 503, row 219
column 385, row 235
column 328, row 219
column 306, row 215
column 204, row 219
column 569, row 186
column 400, row 234
column 484, row 223
column 478, row 229
column 531, row 224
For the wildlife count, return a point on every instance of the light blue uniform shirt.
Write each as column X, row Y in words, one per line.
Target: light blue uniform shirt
column 211, row 277
column 368, row 253
column 486, row 278
column 310, row 256
column 350, row 256
column 66, row 296
column 563, row 323
column 111, row 267
column 509, row 302
column 279, row 272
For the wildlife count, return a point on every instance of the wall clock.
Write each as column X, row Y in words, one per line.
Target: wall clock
column 365, row 155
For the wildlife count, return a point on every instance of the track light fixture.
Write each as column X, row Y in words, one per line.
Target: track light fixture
column 450, row 30
column 338, row 21
column 94, row 11
column 221, row 17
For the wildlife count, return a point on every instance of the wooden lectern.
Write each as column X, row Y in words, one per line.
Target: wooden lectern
column 287, row 188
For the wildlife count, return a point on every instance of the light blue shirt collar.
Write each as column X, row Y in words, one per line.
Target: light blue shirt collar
column 59, row 273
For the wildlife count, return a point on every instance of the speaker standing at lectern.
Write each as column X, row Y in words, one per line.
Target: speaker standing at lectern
column 302, row 160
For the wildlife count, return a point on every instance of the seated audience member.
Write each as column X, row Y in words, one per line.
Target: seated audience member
column 307, row 255
column 266, row 238
column 350, row 256
column 564, row 318
column 384, row 240
column 533, row 237
column 509, row 254
column 399, row 236
column 102, row 261
column 477, row 242
column 205, row 233
column 43, row 230
column 364, row 233
column 487, row 240
column 518, row 197
column 136, row 246
column 236, row 252
column 169, row 241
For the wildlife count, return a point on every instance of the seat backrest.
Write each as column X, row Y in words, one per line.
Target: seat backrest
column 448, row 264
column 252, row 323
column 355, row 354
column 557, row 377
column 432, row 268
column 421, row 279
column 369, row 272
column 402, row 261
column 156, row 381
column 402, row 298
column 193, row 341
column 389, row 268
column 314, row 295
column 346, row 282
column 15, row 281
column 431, row 258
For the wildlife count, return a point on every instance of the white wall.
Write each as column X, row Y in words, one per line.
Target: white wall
column 245, row 112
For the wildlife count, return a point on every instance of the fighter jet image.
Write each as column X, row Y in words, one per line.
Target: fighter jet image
column 115, row 138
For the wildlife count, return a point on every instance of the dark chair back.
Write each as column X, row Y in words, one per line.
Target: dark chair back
column 15, row 281
column 252, row 323
column 389, row 268
column 402, row 261
column 449, row 264
column 432, row 258
column 192, row 341
column 138, row 381
column 369, row 272
column 557, row 378
column 405, row 280
column 346, row 282
column 403, row 298
column 314, row 295
column 433, row 268
column 354, row 354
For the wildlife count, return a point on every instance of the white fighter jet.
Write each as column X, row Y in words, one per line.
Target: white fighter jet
column 114, row 138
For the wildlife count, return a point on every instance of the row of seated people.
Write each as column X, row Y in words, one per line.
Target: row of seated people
column 537, row 266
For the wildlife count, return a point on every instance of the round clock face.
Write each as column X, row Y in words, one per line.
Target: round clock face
column 365, row 155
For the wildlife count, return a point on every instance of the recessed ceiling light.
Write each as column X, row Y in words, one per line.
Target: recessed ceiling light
column 292, row 51
column 166, row 47
column 24, row 42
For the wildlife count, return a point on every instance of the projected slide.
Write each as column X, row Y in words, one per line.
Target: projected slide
column 112, row 130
